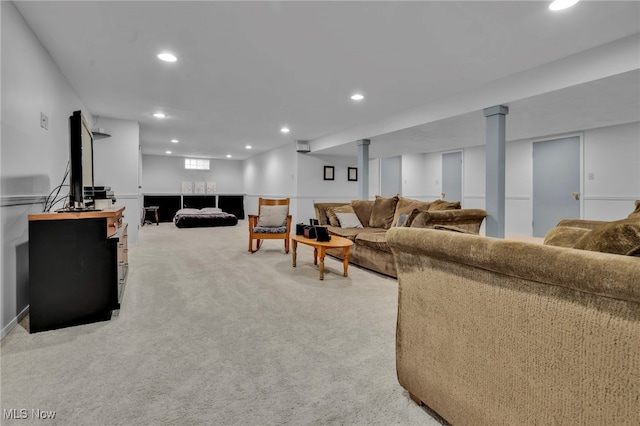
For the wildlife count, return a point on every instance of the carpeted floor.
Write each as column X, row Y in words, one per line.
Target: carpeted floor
column 211, row 334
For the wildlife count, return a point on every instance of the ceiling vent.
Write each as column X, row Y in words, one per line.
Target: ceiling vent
column 303, row 146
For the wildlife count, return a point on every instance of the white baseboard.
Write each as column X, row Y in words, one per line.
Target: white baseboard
column 14, row 322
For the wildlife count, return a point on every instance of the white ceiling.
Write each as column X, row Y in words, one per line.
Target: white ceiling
column 247, row 68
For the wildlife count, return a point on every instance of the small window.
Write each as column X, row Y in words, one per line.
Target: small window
column 196, row 164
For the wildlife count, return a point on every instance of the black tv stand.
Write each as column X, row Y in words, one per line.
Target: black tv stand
column 77, row 267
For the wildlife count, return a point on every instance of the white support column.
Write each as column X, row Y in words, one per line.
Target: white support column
column 495, row 174
column 363, row 168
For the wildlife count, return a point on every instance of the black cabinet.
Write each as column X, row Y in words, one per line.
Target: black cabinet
column 77, row 269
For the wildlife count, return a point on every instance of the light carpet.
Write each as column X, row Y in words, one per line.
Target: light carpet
column 211, row 334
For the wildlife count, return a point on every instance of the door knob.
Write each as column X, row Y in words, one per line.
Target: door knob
column 443, row 195
column 576, row 195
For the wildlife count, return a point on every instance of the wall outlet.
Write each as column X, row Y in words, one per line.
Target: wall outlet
column 44, row 121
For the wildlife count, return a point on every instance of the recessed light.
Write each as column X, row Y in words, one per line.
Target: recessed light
column 248, row 146
column 167, row 152
column 562, row 4
column 159, row 115
column 167, row 57
column 285, row 130
column 357, row 97
column 174, row 141
column 228, row 155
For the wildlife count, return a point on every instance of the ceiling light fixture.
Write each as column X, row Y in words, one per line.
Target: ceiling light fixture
column 248, row 147
column 357, row 97
column 159, row 115
column 167, row 152
column 174, row 141
column 285, row 130
column 562, row 4
column 228, row 155
column 167, row 57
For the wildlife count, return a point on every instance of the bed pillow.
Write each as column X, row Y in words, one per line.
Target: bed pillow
column 209, row 210
column 348, row 220
column 272, row 216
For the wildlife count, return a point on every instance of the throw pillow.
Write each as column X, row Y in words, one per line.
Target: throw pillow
column 418, row 219
column 363, row 209
column 618, row 237
column 348, row 220
column 564, row 236
column 636, row 212
column 444, row 205
column 383, row 211
column 406, row 206
column 271, row 216
column 402, row 219
column 331, row 213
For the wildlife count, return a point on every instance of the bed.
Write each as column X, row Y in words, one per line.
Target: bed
column 205, row 217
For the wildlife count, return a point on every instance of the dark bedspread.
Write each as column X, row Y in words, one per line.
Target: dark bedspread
column 194, row 218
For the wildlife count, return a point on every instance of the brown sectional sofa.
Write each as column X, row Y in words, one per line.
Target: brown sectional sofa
column 493, row 331
column 377, row 216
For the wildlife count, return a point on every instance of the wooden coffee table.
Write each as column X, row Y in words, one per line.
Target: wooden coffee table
column 320, row 248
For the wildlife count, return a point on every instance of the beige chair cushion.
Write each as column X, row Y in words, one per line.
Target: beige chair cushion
column 618, row 237
column 406, row 206
column 271, row 216
column 363, row 210
column 383, row 211
column 331, row 213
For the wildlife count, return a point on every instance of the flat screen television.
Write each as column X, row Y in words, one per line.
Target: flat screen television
column 81, row 160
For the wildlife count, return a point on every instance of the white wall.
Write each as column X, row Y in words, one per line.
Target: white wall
column 115, row 164
column 612, row 155
column 272, row 174
column 33, row 160
column 164, row 174
column 313, row 188
column 390, row 176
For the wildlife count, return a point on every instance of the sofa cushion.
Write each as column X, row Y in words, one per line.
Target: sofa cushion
column 444, row 205
column 331, row 213
column 564, row 236
column 406, row 206
column 363, row 210
column 383, row 210
column 374, row 240
column 348, row 220
column 352, row 233
column 618, row 237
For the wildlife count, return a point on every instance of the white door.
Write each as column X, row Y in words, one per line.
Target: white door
column 452, row 176
column 556, row 183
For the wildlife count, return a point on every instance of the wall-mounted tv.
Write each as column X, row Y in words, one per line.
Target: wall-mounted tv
column 81, row 159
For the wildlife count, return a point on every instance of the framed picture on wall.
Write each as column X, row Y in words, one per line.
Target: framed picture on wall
column 352, row 173
column 328, row 173
column 187, row 187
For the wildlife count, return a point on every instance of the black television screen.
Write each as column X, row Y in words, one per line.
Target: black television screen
column 81, row 159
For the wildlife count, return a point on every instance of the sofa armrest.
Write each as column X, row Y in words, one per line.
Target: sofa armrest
column 321, row 211
column 581, row 223
column 604, row 274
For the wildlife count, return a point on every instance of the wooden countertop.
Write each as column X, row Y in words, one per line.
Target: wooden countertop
column 106, row 213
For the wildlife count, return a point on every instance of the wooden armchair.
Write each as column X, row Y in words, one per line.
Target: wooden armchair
column 273, row 222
